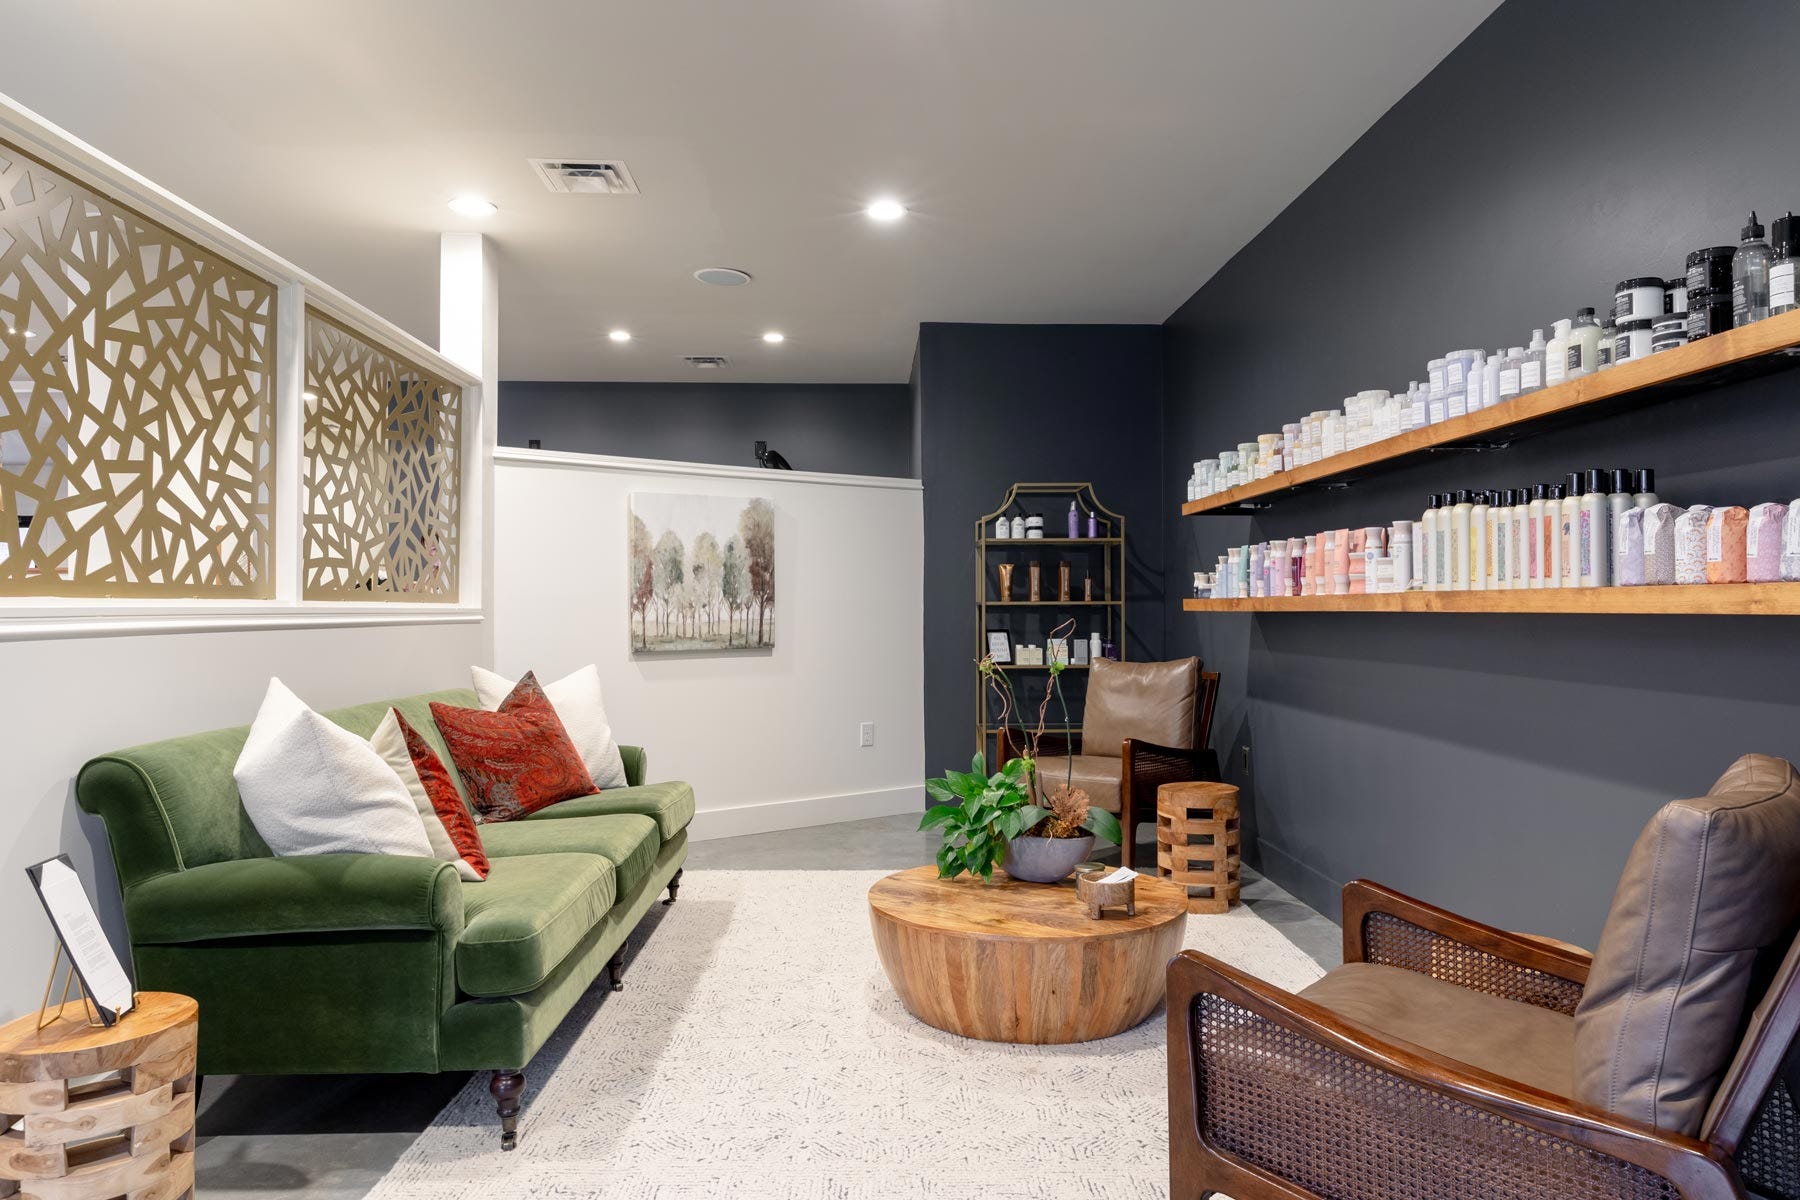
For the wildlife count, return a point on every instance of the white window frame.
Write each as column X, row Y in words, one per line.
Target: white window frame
column 39, row 617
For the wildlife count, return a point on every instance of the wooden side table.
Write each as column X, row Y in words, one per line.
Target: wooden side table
column 129, row 1132
column 1198, row 844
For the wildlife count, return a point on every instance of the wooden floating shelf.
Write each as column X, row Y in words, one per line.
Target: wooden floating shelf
column 1727, row 357
column 1711, row 599
column 1039, row 666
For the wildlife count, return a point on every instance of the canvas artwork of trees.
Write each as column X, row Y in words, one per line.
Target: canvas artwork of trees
column 702, row 572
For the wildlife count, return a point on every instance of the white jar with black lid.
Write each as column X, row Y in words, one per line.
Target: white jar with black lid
column 1639, row 299
column 1633, row 340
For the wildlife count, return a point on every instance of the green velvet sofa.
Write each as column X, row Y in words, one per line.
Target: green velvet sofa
column 354, row 963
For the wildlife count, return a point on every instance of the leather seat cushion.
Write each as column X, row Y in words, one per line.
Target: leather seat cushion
column 1095, row 774
column 1147, row 701
column 671, row 803
column 1711, row 888
column 628, row 840
column 1529, row 1045
column 526, row 917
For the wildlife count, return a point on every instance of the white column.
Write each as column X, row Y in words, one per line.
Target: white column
column 288, row 525
column 469, row 335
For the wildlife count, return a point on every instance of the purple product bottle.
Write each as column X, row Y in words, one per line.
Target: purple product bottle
column 1093, row 524
column 1074, row 521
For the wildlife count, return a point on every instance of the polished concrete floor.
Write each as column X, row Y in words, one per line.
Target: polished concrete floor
column 332, row 1137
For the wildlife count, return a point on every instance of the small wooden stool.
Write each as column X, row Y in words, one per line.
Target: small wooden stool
column 1197, row 842
column 129, row 1132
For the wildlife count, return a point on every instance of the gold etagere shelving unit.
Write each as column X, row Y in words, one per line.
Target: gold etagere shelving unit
column 1102, row 558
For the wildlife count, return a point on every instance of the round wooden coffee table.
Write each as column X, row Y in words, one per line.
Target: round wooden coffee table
column 1023, row 962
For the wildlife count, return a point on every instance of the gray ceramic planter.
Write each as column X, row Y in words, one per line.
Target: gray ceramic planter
column 1046, row 860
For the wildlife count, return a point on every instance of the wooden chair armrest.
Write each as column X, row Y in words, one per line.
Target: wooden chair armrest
column 1700, row 1171
column 1363, row 899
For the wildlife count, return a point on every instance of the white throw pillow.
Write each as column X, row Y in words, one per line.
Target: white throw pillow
column 576, row 699
column 313, row 787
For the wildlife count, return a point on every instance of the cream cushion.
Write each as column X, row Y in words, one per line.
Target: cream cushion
column 310, row 786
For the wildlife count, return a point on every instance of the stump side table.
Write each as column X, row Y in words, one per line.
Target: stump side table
column 1197, row 842
column 129, row 1132
column 1010, row 961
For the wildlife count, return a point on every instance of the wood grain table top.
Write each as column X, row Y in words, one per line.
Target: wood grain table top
column 1009, row 909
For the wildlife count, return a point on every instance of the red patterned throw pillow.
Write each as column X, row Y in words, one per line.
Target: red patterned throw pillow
column 516, row 759
column 449, row 828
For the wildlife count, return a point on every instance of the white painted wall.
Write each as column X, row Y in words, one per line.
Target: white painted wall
column 64, row 700
column 768, row 739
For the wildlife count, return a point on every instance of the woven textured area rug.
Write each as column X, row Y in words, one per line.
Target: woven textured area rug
column 758, row 1053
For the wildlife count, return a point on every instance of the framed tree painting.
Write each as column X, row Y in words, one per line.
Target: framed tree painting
column 701, row 573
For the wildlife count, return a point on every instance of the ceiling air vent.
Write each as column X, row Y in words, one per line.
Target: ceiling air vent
column 706, row 362
column 587, row 177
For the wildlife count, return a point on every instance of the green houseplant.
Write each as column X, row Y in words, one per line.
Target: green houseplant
column 983, row 816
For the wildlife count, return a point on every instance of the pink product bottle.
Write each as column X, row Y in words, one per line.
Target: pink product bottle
column 1338, row 562
column 1725, row 549
column 1358, row 561
column 1296, row 565
column 1690, row 544
column 1762, row 543
column 1628, row 548
column 1659, row 543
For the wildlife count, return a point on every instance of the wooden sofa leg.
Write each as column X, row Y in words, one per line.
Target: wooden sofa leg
column 614, row 966
column 507, row 1089
column 674, row 885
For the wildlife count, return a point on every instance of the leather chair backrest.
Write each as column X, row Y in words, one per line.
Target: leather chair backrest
column 1711, row 887
column 1152, row 702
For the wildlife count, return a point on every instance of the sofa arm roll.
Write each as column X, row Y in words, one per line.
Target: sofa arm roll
column 323, row 893
column 637, row 761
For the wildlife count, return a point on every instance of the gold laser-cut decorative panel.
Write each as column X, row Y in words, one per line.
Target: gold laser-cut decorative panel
column 383, row 472
column 136, row 402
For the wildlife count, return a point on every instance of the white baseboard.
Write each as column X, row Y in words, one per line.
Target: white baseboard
column 775, row 815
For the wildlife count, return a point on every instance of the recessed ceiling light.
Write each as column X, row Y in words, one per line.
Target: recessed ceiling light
column 885, row 209
column 620, row 335
column 774, row 337
column 722, row 276
column 473, row 206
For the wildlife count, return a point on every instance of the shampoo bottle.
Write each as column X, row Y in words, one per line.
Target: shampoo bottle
column 1509, row 372
column 1521, row 537
column 1556, row 353
column 1619, row 495
column 1479, row 558
column 1531, row 366
column 1582, row 349
column 1534, row 537
column 1595, row 532
column 1427, row 542
column 1500, row 519
column 1550, row 566
column 1643, row 487
column 1569, row 534
column 1457, row 548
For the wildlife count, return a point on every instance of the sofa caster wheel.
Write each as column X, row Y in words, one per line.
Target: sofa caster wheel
column 507, row 1088
column 614, row 966
column 674, row 886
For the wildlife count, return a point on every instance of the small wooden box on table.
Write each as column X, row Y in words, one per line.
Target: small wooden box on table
column 1197, row 842
column 103, row 1111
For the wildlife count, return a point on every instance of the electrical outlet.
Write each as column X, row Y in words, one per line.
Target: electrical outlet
column 868, row 734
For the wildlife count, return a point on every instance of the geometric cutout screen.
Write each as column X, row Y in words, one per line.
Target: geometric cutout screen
column 136, row 402
column 382, row 472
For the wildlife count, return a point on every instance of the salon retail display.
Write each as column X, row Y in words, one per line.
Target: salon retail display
column 1762, row 542
column 1726, row 529
column 1690, row 544
column 1721, row 287
column 1659, row 543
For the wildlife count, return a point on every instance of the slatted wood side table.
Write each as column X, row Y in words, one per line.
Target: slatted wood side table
column 1197, row 842
column 103, row 1111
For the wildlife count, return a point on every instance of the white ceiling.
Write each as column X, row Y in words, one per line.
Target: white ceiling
column 1064, row 160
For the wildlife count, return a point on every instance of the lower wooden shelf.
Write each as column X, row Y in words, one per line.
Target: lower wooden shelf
column 1712, row 599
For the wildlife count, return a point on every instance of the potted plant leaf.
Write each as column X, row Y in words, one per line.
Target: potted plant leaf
column 1006, row 819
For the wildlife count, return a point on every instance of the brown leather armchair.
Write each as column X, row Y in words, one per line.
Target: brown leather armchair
column 1450, row 1059
column 1145, row 724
